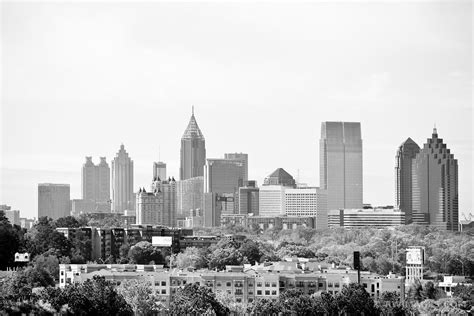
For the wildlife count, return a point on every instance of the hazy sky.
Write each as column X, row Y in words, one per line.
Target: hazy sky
column 78, row 79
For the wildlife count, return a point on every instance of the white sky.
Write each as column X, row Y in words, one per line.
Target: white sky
column 80, row 78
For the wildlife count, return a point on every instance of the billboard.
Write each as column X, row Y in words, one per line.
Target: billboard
column 415, row 256
column 162, row 241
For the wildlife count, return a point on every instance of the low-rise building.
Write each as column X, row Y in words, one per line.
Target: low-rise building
column 244, row 284
column 376, row 217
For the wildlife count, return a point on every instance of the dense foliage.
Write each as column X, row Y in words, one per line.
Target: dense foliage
column 194, row 299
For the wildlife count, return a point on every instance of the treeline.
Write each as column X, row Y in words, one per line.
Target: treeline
column 382, row 250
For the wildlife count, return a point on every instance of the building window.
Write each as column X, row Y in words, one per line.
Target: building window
column 250, row 292
column 259, row 284
column 163, row 283
column 238, row 292
column 274, row 284
column 336, row 284
column 238, row 300
column 267, row 284
column 330, row 284
column 250, row 300
column 274, row 292
column 250, row 284
column 218, row 283
column 163, row 291
column 259, row 292
column 267, row 292
column 228, row 284
column 320, row 285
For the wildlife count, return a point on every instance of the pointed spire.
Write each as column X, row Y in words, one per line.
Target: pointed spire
column 435, row 131
column 192, row 131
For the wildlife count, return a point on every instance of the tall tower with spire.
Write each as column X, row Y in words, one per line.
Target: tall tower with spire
column 121, row 182
column 435, row 185
column 193, row 151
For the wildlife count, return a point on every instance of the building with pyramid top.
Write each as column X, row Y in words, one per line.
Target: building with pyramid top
column 193, row 151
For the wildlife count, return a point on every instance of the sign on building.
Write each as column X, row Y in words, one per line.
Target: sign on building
column 415, row 255
column 162, row 241
column 22, row 257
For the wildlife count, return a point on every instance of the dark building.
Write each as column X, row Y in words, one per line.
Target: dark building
column 249, row 199
column 435, row 185
column 193, row 151
column 403, row 177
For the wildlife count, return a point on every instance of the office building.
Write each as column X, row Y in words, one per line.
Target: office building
column 148, row 208
column 435, row 185
column 272, row 200
column 376, row 217
column 123, row 197
column 223, row 175
column 166, row 189
column 244, row 158
column 280, row 177
column 95, row 184
column 403, row 177
column 308, row 201
column 80, row 206
column 341, row 164
column 27, row 223
column 13, row 216
column 249, row 196
column 193, row 151
column 189, row 195
column 54, row 200
column 212, row 210
column 159, row 170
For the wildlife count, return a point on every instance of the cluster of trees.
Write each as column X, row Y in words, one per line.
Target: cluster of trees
column 382, row 250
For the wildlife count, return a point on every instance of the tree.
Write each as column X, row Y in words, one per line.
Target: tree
column 251, row 250
column 20, row 285
column 191, row 257
column 144, row 252
column 140, row 296
column 43, row 237
column 221, row 257
column 195, row 299
column 466, row 294
column 48, row 262
column 9, row 242
column 295, row 302
column 67, row 221
column 354, row 300
column 265, row 307
column 390, row 304
column 92, row 297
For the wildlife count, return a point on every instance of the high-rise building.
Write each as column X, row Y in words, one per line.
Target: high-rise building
column 280, row 177
column 212, row 210
column 435, row 185
column 193, row 151
column 96, row 185
column 307, row 201
column 159, row 170
column 272, row 200
column 167, row 190
column 403, row 177
column 189, row 196
column 148, row 208
column 244, row 158
column 249, row 199
column 13, row 216
column 123, row 197
column 54, row 200
column 341, row 164
column 223, row 175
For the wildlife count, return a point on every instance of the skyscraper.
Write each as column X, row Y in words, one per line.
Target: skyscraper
column 166, row 189
column 122, row 182
column 435, row 185
column 280, row 177
column 96, row 184
column 403, row 177
column 244, row 158
column 54, row 200
column 189, row 196
column 341, row 164
column 223, row 175
column 193, row 151
column 159, row 170
column 249, row 199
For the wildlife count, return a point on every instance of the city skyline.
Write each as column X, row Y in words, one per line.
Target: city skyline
column 267, row 101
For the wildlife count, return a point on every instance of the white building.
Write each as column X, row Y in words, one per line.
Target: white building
column 278, row 200
column 272, row 200
column 377, row 217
